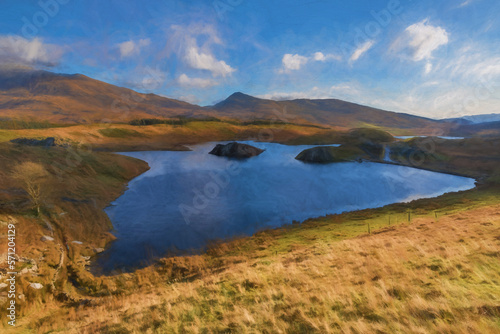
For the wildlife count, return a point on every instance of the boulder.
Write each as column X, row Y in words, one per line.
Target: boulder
column 36, row 286
column 236, row 150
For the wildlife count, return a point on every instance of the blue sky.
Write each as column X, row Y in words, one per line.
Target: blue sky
column 432, row 58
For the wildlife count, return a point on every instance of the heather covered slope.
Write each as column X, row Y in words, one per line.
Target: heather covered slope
column 62, row 98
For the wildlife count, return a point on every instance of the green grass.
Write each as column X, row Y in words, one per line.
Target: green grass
column 22, row 124
column 7, row 135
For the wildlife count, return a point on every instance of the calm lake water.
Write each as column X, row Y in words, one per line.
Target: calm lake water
column 188, row 199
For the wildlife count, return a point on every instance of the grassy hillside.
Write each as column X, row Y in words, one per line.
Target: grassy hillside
column 62, row 98
column 332, row 112
column 125, row 137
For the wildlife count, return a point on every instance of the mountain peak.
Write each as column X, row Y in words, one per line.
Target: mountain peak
column 239, row 99
column 240, row 95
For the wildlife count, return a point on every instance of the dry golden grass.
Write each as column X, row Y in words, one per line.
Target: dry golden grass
column 123, row 137
column 425, row 277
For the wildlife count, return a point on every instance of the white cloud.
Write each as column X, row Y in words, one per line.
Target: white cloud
column 319, row 56
column 131, row 47
column 420, row 40
column 188, row 82
column 472, row 63
column 205, row 61
column 361, row 50
column 185, row 42
column 294, row 62
column 146, row 79
column 487, row 68
column 465, row 3
column 428, row 68
column 467, row 81
column 340, row 91
column 16, row 49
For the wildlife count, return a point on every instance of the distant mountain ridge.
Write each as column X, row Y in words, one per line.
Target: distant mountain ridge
column 75, row 98
column 332, row 112
column 476, row 119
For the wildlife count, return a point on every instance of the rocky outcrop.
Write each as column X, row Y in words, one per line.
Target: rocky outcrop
column 359, row 145
column 321, row 154
column 236, row 150
column 344, row 153
column 47, row 142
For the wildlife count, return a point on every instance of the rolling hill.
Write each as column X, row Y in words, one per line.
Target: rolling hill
column 477, row 119
column 64, row 98
column 482, row 129
column 325, row 111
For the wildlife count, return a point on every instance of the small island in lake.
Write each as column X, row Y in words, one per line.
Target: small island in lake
column 236, row 150
column 358, row 145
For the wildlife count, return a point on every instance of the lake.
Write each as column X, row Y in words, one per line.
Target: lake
column 188, row 199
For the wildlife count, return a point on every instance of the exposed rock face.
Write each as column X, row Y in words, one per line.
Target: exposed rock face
column 236, row 150
column 47, row 142
column 320, row 154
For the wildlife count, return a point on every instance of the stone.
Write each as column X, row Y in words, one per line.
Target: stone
column 36, row 286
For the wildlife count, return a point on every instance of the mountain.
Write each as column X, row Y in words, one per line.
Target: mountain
column 471, row 129
column 63, row 98
column 476, row 119
column 326, row 111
